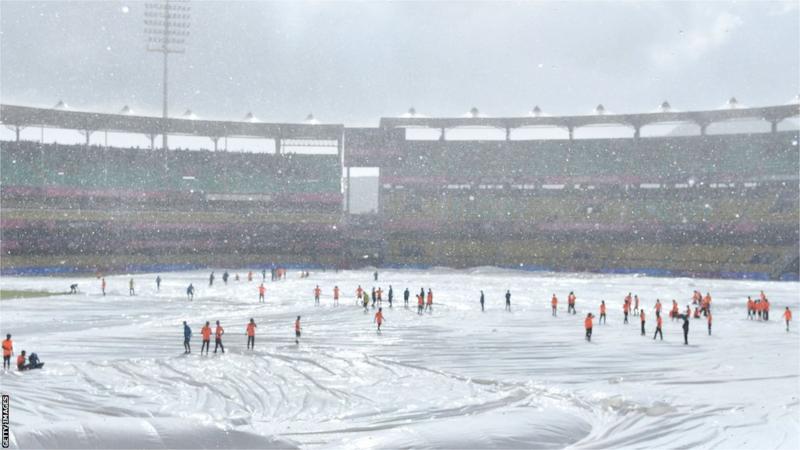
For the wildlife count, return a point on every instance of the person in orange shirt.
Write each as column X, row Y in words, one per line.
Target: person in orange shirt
column 261, row 291
column 206, row 333
column 602, row 312
column 379, row 318
column 587, row 324
column 251, row 334
column 420, row 304
column 8, row 350
column 636, row 303
column 674, row 312
column 787, row 316
column 658, row 328
column 103, row 286
column 554, row 305
column 709, row 323
column 429, row 304
column 297, row 330
column 751, row 313
column 641, row 318
column 765, row 314
column 218, row 332
column 359, row 294
column 336, row 296
column 658, row 308
column 626, row 309
column 21, row 361
column 317, row 292
column 571, row 303
column 707, row 303
column 379, row 293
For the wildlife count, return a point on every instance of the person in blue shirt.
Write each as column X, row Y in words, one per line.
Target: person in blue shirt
column 187, row 336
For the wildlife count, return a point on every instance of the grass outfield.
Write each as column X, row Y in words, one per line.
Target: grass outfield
column 8, row 294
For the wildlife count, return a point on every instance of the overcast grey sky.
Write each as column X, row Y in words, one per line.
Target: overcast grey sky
column 353, row 62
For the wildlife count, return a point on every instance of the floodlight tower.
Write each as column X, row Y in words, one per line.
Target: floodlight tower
column 166, row 28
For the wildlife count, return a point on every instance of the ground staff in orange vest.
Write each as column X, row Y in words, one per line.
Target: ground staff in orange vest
column 206, row 333
column 218, row 332
column 554, row 305
column 251, row 334
column 336, row 296
column 571, row 303
column 626, row 309
column 641, row 318
column 787, row 316
column 8, row 350
column 379, row 318
column 420, row 304
column 317, row 292
column 709, row 322
column 261, row 291
column 587, row 323
column 658, row 328
column 602, row 312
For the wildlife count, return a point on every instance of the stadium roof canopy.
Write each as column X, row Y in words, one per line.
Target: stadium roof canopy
column 24, row 116
column 772, row 114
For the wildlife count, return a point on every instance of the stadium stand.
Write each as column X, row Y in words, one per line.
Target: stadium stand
column 707, row 205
